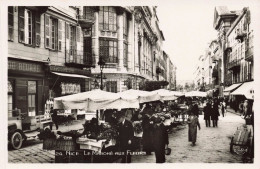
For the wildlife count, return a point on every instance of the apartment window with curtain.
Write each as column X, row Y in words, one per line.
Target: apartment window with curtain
column 108, row 50
column 107, row 18
column 10, row 23
column 32, row 88
column 28, row 27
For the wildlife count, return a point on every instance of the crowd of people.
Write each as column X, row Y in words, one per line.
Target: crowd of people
column 154, row 132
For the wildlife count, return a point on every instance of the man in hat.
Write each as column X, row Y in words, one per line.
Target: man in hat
column 126, row 135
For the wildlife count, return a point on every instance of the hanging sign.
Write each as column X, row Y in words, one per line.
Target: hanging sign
column 69, row 88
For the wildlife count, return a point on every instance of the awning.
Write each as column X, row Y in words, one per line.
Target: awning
column 232, row 87
column 246, row 89
column 71, row 75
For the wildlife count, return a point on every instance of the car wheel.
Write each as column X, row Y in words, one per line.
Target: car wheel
column 17, row 140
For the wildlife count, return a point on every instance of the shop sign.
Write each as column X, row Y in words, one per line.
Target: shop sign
column 24, row 66
column 63, row 69
column 69, row 88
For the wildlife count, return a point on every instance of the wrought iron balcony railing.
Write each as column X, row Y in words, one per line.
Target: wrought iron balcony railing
column 233, row 64
column 78, row 58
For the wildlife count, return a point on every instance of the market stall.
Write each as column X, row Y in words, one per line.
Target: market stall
column 98, row 136
column 196, row 94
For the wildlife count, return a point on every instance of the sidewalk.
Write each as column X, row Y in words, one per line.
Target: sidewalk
column 230, row 110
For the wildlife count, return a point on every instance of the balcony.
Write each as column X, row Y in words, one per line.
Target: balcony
column 76, row 58
column 87, row 20
column 240, row 36
column 228, row 47
column 235, row 64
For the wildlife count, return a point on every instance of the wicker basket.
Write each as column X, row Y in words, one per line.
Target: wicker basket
column 62, row 145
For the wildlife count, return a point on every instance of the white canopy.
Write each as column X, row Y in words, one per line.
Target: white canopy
column 70, row 75
column 246, row 89
column 165, row 94
column 230, row 88
column 196, row 94
column 95, row 100
column 143, row 96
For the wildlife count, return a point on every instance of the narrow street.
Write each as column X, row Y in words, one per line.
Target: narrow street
column 212, row 146
column 212, row 143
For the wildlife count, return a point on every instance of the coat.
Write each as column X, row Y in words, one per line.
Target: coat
column 160, row 139
column 126, row 133
column 215, row 112
column 147, row 134
column 207, row 112
column 193, row 122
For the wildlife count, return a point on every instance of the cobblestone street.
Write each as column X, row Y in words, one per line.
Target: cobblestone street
column 212, row 146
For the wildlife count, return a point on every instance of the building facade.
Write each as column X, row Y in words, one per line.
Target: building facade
column 230, row 56
column 57, row 51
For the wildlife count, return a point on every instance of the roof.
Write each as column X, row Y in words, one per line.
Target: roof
column 222, row 10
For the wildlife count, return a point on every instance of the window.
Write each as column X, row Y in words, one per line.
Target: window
column 125, row 55
column 125, row 26
column 53, row 33
column 28, row 27
column 108, row 50
column 107, row 18
column 88, row 13
column 31, row 98
column 10, row 23
column 87, row 50
column 111, row 86
column 10, row 99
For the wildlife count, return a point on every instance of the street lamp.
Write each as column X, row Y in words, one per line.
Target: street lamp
column 102, row 64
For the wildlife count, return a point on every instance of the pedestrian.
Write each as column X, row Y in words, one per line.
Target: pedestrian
column 193, row 122
column 160, row 139
column 54, row 118
column 207, row 113
column 147, row 134
column 215, row 113
column 224, row 107
column 126, row 135
column 195, row 109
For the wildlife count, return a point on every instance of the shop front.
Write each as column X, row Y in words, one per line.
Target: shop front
column 27, row 90
column 66, row 81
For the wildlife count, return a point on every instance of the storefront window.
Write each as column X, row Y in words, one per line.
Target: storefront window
column 111, row 86
column 10, row 99
column 31, row 98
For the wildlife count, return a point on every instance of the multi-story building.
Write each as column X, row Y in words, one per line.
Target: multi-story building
column 235, row 42
column 45, row 58
column 199, row 74
column 56, row 51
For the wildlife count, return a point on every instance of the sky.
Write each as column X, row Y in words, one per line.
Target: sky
column 188, row 28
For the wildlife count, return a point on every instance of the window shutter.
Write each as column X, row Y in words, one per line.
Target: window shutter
column 10, row 23
column 47, row 31
column 67, row 41
column 37, row 29
column 60, row 23
column 21, row 24
column 79, row 45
